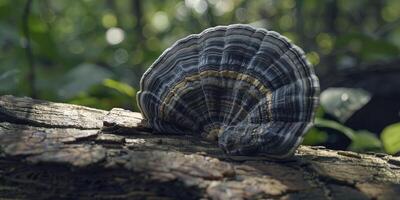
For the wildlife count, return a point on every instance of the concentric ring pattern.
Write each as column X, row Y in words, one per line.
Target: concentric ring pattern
column 249, row 88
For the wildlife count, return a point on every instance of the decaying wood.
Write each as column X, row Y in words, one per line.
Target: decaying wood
column 54, row 150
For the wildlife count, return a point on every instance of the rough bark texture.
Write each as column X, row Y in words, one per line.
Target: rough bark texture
column 60, row 151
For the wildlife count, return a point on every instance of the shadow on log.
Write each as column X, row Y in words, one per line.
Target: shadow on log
column 61, row 151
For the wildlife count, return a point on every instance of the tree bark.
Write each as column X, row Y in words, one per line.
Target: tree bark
column 55, row 150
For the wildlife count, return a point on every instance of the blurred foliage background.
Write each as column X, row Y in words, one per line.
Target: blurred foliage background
column 93, row 53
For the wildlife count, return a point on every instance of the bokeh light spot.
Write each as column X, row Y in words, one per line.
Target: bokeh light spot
column 288, row 4
column 121, row 56
column 325, row 42
column 181, row 11
column 160, row 21
column 200, row 6
column 115, row 35
column 313, row 57
column 223, row 6
column 286, row 22
column 390, row 13
column 109, row 20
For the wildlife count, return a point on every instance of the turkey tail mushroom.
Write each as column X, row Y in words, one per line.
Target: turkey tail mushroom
column 249, row 88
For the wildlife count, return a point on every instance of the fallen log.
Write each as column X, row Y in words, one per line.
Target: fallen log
column 61, row 151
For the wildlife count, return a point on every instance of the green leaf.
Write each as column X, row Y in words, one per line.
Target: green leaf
column 391, row 138
column 343, row 102
column 360, row 140
column 315, row 137
column 323, row 123
column 365, row 141
column 104, row 97
column 120, row 87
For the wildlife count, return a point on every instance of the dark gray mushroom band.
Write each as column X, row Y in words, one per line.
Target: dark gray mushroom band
column 249, row 88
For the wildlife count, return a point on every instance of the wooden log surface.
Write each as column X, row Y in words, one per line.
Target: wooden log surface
column 62, row 151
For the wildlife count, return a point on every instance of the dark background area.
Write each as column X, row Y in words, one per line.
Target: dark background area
column 93, row 53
